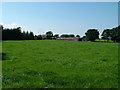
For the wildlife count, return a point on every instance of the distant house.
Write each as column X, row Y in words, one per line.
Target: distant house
column 69, row 39
column 44, row 36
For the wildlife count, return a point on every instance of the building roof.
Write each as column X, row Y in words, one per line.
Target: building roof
column 69, row 38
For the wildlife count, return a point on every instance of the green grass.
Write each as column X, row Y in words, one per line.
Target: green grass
column 110, row 41
column 59, row 64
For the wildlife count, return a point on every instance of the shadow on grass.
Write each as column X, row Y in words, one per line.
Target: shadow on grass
column 3, row 56
column 104, row 41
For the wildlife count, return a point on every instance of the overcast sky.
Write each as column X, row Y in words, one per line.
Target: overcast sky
column 60, row 17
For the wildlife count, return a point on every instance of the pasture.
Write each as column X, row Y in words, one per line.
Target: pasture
column 59, row 64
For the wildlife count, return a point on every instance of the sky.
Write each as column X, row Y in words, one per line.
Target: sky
column 60, row 0
column 60, row 17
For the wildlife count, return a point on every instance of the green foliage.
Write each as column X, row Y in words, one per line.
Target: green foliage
column 78, row 36
column 67, row 35
column 64, row 35
column 31, row 36
column 71, row 35
column 116, row 34
column 59, row 64
column 113, row 34
column 106, row 34
column 84, row 38
column 16, row 34
column 1, row 27
column 92, row 34
column 56, row 35
column 12, row 34
column 38, row 37
column 49, row 34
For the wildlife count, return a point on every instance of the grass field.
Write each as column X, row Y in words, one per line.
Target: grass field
column 59, row 64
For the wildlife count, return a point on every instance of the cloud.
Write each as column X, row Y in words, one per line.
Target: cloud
column 11, row 25
column 14, row 25
column 1, row 23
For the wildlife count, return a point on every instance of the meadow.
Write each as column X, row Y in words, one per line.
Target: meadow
column 59, row 64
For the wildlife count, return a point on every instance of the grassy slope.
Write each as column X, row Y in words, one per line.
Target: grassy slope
column 47, row 64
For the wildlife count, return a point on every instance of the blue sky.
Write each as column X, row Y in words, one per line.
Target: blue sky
column 60, row 17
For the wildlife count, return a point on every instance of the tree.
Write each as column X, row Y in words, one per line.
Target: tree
column 12, row 34
column 67, row 35
column 78, row 36
column 84, row 38
column 49, row 34
column 16, row 34
column 31, row 36
column 23, row 35
column 113, row 34
column 27, row 35
column 56, row 35
column 38, row 37
column 107, row 34
column 116, row 34
column 71, row 35
column 1, row 29
column 64, row 35
column 92, row 34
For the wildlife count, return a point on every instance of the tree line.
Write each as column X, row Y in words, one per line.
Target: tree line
column 16, row 34
column 91, row 35
column 113, row 34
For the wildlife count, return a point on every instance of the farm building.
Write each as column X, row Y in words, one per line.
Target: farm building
column 68, row 39
column 44, row 36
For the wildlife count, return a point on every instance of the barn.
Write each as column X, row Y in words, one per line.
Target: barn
column 69, row 39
